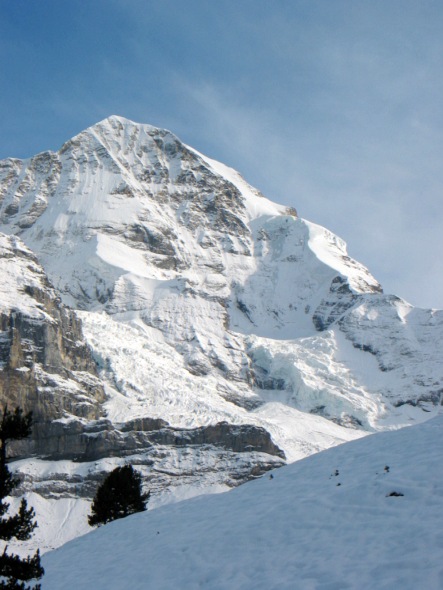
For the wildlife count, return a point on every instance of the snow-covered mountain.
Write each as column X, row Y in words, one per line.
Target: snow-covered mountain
column 227, row 333
column 360, row 516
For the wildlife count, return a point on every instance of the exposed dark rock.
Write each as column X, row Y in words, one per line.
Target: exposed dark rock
column 144, row 424
column 195, row 465
column 33, row 351
column 237, row 438
column 231, row 453
column 158, row 242
column 91, row 441
column 332, row 309
column 46, row 367
column 433, row 397
column 348, row 421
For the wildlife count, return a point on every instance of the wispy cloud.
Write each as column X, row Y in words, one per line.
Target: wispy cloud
column 333, row 107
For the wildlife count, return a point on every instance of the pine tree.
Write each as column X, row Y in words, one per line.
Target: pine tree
column 14, row 570
column 118, row 496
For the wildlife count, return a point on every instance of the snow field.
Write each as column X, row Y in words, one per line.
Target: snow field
column 327, row 522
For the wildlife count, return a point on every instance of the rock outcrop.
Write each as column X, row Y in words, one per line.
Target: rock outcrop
column 46, row 366
column 222, row 453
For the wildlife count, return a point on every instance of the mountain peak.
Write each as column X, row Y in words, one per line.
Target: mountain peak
column 118, row 134
column 118, row 123
column 117, row 119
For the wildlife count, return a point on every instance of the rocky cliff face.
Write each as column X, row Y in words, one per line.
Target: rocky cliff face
column 46, row 365
column 180, row 316
column 168, row 457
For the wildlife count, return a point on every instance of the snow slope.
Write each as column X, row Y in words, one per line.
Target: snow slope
column 326, row 522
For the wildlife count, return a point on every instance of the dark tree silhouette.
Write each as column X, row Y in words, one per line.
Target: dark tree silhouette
column 118, row 496
column 14, row 570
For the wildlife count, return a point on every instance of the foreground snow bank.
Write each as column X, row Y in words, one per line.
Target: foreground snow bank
column 330, row 521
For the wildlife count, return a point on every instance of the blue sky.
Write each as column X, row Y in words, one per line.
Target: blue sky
column 332, row 106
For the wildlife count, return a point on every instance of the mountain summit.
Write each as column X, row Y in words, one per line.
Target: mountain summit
column 225, row 330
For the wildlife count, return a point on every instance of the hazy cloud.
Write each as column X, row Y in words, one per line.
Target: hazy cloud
column 333, row 107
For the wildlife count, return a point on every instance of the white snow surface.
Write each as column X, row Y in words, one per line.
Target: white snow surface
column 326, row 522
column 61, row 519
column 19, row 269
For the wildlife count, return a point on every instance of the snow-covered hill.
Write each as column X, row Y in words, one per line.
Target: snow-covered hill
column 226, row 331
column 360, row 516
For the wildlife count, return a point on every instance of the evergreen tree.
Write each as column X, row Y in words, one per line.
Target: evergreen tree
column 14, row 570
column 118, row 496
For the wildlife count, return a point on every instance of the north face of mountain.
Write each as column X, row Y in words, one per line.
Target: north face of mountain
column 128, row 220
column 179, row 304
